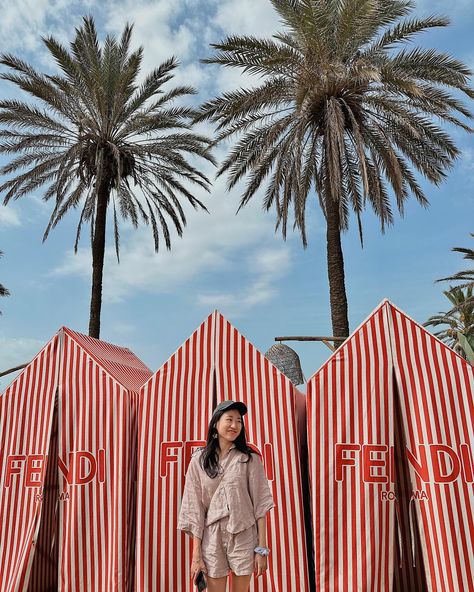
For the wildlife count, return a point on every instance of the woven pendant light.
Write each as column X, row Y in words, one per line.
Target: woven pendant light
column 287, row 361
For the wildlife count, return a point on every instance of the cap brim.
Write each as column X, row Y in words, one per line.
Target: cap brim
column 241, row 407
column 224, row 406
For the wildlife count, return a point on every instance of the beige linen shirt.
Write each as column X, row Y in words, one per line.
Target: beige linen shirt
column 240, row 491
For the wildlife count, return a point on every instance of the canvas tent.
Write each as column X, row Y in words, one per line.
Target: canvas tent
column 391, row 445
column 67, row 462
column 216, row 363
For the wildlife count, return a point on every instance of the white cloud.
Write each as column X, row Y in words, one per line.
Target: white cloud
column 24, row 22
column 247, row 17
column 152, row 28
column 211, row 243
column 238, row 304
column 467, row 159
column 457, row 8
column 233, row 78
column 16, row 351
column 267, row 267
column 272, row 262
column 9, row 217
column 164, row 29
column 172, row 28
column 20, row 23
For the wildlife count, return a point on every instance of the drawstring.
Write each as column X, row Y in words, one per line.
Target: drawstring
column 412, row 531
column 399, row 537
column 54, row 533
column 411, row 528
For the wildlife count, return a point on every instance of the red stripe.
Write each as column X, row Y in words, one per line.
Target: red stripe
column 410, row 425
column 244, row 374
column 352, row 410
column 157, row 535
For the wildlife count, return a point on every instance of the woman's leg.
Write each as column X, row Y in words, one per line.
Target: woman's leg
column 240, row 583
column 216, row 584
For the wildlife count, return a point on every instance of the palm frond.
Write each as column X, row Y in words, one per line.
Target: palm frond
column 466, row 276
column 456, row 322
column 370, row 106
column 94, row 125
column 3, row 290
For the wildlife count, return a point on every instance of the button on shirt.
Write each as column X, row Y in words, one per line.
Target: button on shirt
column 240, row 491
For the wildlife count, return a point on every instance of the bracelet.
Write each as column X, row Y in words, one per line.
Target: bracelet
column 263, row 551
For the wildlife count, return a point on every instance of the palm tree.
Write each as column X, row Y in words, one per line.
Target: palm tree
column 94, row 132
column 344, row 109
column 466, row 276
column 3, row 290
column 458, row 321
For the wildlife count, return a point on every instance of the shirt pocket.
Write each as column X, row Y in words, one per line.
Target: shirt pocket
column 236, row 474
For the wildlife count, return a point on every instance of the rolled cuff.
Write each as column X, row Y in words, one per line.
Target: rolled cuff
column 262, row 510
column 192, row 529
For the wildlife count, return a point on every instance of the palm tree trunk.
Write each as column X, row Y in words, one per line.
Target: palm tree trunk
column 335, row 260
column 98, row 252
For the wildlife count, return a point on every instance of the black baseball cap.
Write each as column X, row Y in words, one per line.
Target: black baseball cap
column 225, row 405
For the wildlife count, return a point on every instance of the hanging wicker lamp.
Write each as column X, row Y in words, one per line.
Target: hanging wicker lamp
column 287, row 361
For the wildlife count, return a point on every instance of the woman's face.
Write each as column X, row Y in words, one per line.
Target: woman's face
column 229, row 425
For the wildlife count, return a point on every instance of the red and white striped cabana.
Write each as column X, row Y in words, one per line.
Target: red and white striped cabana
column 67, row 466
column 391, row 438
column 216, row 363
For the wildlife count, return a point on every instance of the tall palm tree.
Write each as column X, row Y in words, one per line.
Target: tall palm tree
column 3, row 290
column 345, row 109
column 458, row 321
column 96, row 138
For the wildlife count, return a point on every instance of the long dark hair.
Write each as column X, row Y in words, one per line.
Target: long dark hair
column 210, row 456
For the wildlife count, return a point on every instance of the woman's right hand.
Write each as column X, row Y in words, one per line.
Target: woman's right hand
column 197, row 565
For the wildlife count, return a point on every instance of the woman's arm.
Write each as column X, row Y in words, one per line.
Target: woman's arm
column 261, row 562
column 262, row 532
column 262, row 502
column 197, row 563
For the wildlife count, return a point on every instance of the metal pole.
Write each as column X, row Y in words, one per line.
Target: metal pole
column 5, row 372
column 325, row 340
column 302, row 338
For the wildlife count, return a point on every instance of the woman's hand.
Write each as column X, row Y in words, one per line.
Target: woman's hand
column 261, row 564
column 197, row 565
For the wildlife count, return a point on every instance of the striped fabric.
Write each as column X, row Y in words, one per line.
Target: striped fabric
column 214, row 364
column 244, row 374
column 436, row 389
column 390, row 422
column 175, row 405
column 119, row 362
column 350, row 404
column 26, row 404
column 82, row 535
column 45, row 570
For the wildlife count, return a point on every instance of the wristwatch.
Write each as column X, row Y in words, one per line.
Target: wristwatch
column 263, row 551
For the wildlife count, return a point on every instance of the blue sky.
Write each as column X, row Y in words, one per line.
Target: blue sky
column 264, row 286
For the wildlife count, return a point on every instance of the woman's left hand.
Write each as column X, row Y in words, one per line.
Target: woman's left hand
column 261, row 564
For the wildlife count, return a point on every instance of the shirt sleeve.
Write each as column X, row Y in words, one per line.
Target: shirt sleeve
column 191, row 514
column 259, row 489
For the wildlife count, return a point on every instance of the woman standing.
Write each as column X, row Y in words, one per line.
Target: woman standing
column 225, row 500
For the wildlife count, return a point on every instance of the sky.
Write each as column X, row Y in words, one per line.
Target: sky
column 236, row 263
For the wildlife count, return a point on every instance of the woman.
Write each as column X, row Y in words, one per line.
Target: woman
column 225, row 500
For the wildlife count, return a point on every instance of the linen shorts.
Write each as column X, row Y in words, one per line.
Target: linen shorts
column 223, row 552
